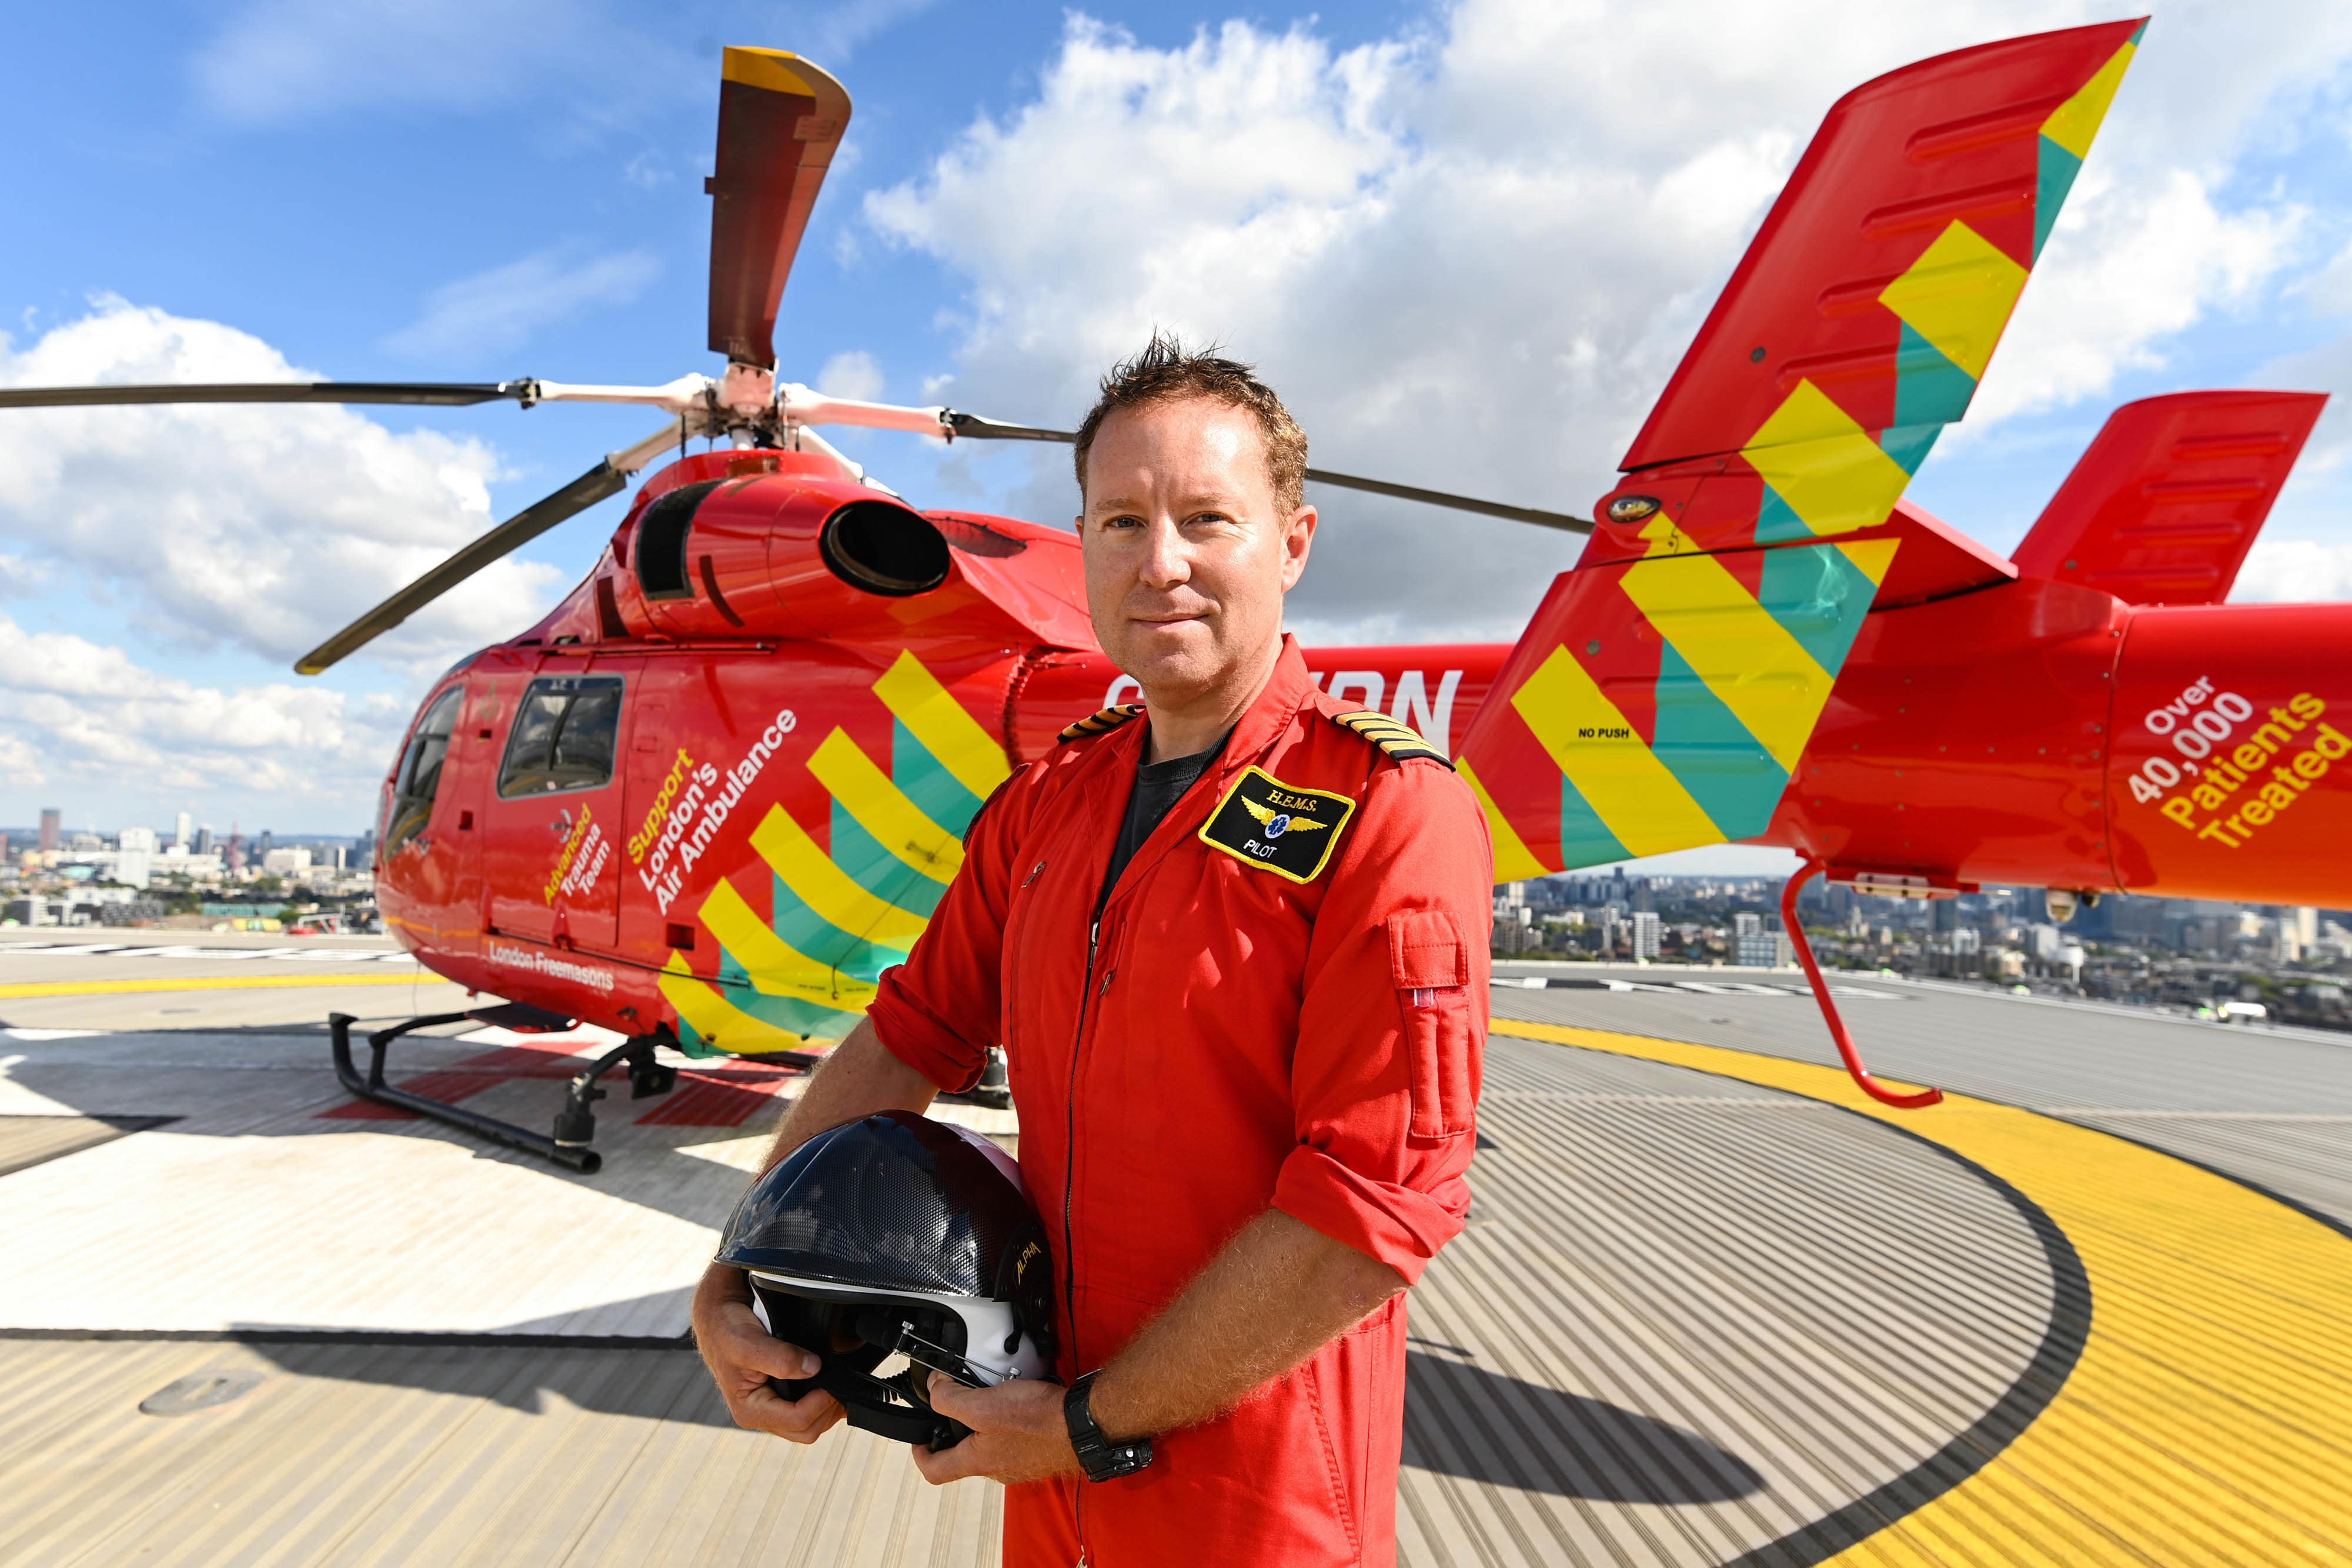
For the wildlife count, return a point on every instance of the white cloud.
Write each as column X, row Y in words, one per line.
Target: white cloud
column 2299, row 571
column 499, row 310
column 1471, row 253
column 648, row 171
column 852, row 375
column 2128, row 269
column 273, row 61
column 73, row 711
column 829, row 35
column 258, row 527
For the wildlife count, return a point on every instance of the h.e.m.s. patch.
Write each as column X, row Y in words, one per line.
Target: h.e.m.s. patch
column 1277, row 827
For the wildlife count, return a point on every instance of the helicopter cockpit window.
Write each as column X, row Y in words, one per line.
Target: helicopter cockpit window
column 564, row 736
column 418, row 777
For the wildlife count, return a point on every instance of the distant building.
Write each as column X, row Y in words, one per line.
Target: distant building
column 1747, row 922
column 291, row 862
column 52, row 828
column 134, row 856
column 204, row 844
column 1645, row 933
column 180, row 829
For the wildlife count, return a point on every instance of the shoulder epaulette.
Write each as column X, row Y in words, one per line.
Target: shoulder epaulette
column 1096, row 723
column 1399, row 740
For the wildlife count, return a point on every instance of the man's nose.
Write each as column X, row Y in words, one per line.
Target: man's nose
column 1167, row 562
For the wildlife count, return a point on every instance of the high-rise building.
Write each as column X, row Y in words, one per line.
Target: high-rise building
column 204, row 844
column 52, row 827
column 1645, row 934
column 134, row 856
column 180, row 829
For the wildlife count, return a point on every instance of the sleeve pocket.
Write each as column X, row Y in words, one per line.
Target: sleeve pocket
column 1430, row 969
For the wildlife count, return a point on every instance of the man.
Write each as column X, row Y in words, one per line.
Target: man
column 1234, row 946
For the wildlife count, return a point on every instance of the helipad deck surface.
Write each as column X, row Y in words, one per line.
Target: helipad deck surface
column 2096, row 1307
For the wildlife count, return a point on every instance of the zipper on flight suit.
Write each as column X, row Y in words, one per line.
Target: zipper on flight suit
column 1087, row 998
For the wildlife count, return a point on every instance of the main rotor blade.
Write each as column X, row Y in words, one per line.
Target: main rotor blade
column 1561, row 520
column 603, row 480
column 780, row 119
column 972, row 427
column 441, row 394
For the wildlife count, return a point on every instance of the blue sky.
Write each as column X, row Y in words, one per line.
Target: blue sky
column 1466, row 255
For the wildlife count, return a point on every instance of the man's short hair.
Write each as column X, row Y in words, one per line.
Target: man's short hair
column 1166, row 370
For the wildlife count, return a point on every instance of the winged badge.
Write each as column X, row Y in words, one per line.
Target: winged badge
column 1278, row 823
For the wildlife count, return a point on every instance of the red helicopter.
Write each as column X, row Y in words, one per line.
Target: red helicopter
column 721, row 786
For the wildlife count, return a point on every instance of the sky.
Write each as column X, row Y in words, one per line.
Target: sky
column 1468, row 242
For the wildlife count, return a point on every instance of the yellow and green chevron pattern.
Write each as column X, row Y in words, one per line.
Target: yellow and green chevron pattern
column 1667, row 689
column 841, row 916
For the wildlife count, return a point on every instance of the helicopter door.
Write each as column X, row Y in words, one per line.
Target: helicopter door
column 552, row 852
column 426, row 868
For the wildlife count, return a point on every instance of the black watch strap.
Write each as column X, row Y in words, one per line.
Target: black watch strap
column 1101, row 1458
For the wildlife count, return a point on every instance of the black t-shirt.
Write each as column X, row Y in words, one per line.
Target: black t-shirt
column 1158, row 787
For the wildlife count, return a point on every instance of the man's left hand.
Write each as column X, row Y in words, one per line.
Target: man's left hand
column 1017, row 1432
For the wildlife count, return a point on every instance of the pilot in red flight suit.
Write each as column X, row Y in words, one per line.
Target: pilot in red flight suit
column 1234, row 940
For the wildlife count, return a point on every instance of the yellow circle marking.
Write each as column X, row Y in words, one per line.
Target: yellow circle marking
column 210, row 982
column 2209, row 1419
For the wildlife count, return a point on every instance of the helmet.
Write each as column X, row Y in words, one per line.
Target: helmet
column 897, row 1234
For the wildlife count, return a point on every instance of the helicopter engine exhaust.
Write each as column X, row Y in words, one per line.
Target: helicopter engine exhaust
column 883, row 547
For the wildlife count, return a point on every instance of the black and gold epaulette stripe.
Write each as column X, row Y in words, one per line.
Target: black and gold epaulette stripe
column 1399, row 740
column 1108, row 718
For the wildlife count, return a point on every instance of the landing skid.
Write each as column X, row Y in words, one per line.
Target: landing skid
column 575, row 1125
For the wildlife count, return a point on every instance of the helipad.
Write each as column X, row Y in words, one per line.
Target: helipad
column 1712, row 1308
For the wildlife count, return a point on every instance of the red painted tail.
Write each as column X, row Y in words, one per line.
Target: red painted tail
column 1663, row 693
column 2166, row 501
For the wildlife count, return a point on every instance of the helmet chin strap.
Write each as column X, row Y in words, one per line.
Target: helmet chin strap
column 892, row 1408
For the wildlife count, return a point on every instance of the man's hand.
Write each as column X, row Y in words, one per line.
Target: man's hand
column 742, row 1356
column 1017, row 1432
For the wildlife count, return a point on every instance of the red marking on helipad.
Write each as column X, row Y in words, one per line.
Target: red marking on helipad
column 719, row 1096
column 464, row 1080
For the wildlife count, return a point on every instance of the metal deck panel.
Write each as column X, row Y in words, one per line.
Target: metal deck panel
column 2079, row 1062
column 1692, row 1316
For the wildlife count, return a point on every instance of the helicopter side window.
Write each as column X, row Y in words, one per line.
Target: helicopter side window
column 662, row 539
column 564, row 735
column 418, row 777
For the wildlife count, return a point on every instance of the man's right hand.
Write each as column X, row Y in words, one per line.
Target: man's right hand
column 742, row 1356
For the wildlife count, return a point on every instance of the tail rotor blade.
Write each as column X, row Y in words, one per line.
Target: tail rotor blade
column 780, row 121
column 603, row 480
column 438, row 394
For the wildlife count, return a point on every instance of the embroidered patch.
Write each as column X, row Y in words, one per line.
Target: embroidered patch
column 1277, row 827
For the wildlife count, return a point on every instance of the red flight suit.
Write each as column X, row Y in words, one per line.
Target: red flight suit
column 1236, row 1039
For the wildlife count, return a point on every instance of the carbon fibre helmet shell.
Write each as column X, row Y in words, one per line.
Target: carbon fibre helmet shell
column 898, row 1234
column 891, row 1203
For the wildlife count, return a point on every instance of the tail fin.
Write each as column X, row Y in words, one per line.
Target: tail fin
column 1663, row 694
column 2169, row 497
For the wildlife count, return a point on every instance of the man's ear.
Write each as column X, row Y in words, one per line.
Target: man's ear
column 1297, row 540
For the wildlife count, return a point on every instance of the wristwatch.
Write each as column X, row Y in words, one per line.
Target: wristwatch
column 1101, row 1458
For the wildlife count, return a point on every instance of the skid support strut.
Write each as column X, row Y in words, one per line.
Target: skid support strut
column 575, row 1125
column 1838, row 1035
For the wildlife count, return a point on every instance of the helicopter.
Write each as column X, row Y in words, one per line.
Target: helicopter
column 710, row 798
